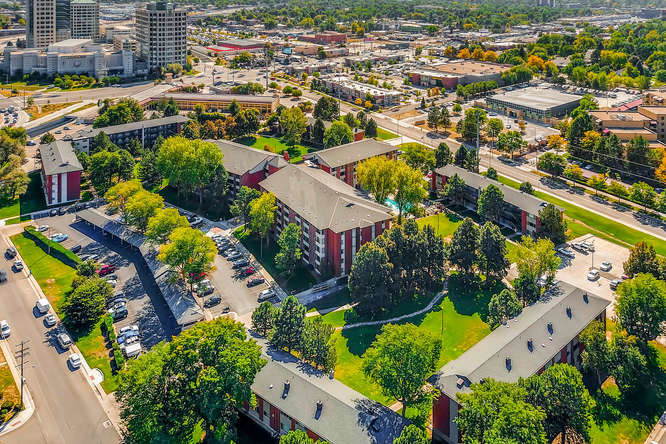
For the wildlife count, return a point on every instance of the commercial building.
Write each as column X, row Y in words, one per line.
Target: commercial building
column 40, row 23
column 63, row 20
column 625, row 125
column 146, row 131
column 534, row 103
column 431, row 78
column 84, row 19
column 472, row 71
column 520, row 210
column 241, row 44
column 325, row 38
column 654, row 98
column 247, row 166
column 335, row 218
column 658, row 116
column 292, row 395
column 219, row 102
column 545, row 333
column 74, row 56
column 61, row 173
column 341, row 161
column 161, row 31
column 110, row 32
column 350, row 90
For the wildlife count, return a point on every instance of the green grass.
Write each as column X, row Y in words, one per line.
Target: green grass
column 337, row 299
column 443, row 223
column 608, row 229
column 21, row 86
column 55, row 280
column 277, row 146
column 299, row 280
column 9, row 392
column 32, row 200
column 84, row 107
column 17, row 220
column 383, row 134
column 459, row 320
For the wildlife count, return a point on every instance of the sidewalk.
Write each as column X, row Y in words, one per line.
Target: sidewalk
column 55, row 115
column 25, row 414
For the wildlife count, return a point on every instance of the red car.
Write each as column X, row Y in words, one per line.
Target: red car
column 248, row 271
column 106, row 269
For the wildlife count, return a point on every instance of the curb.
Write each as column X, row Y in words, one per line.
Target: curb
column 24, row 415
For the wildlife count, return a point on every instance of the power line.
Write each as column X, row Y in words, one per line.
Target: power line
column 21, row 353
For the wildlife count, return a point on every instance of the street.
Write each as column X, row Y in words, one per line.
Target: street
column 66, row 406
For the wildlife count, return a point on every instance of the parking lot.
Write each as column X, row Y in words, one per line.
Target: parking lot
column 575, row 270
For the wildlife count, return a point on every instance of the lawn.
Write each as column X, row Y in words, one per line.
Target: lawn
column 277, row 146
column 443, row 223
column 32, row 200
column 301, row 279
column 334, row 300
column 383, row 134
column 36, row 111
column 459, row 320
column 84, row 107
column 20, row 86
column 609, row 229
column 9, row 391
column 55, row 280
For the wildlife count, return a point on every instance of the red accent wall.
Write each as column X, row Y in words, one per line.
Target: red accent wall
column 312, row 435
column 359, row 135
column 260, row 406
column 333, row 246
column 325, row 168
column 563, row 355
column 293, row 424
column 252, row 179
column 449, row 82
column 366, row 236
column 272, row 169
column 349, row 174
column 73, row 185
column 523, row 221
column 275, row 418
column 348, row 249
column 441, row 414
column 47, row 187
column 538, row 224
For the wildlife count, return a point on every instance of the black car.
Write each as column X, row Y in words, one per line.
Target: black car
column 3, row 275
column 213, row 300
column 206, row 290
column 240, row 264
column 53, row 212
column 62, row 210
column 255, row 281
column 75, row 249
column 10, row 253
column 119, row 313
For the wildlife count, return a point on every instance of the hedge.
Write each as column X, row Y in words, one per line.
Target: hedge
column 58, row 251
column 119, row 358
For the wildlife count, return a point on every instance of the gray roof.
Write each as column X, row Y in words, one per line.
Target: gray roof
column 527, row 202
column 488, row 357
column 59, row 157
column 182, row 304
column 323, row 200
column 353, row 152
column 543, row 99
column 239, row 159
column 346, row 416
column 115, row 129
column 240, row 98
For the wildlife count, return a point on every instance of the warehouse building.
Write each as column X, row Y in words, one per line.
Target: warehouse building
column 534, row 103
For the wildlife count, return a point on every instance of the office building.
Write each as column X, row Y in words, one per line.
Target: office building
column 61, row 172
column 63, row 24
column 84, row 19
column 161, row 31
column 534, row 103
column 40, row 23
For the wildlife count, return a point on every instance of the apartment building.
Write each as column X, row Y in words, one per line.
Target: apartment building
column 40, row 23
column 265, row 104
column 658, row 116
column 350, row 90
column 161, row 31
column 61, row 173
column 84, row 19
column 335, row 218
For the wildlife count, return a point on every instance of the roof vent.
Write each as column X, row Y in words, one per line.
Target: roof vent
column 530, row 345
column 586, row 298
column 569, row 312
column 285, row 391
column 550, row 328
column 320, row 406
column 508, row 364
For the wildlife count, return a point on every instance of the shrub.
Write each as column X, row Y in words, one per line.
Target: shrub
column 119, row 358
column 87, row 196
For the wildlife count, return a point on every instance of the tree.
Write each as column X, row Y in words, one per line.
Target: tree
column 556, row 142
column 526, row 187
column 641, row 307
column 243, row 203
column 510, row 142
column 289, row 325
column 596, row 356
column 371, row 129
column 297, row 437
column 318, row 130
column 127, row 110
column 457, row 108
column 86, row 268
column 400, row 359
column 444, row 117
column 263, row 318
column 318, row 344
column 434, row 117
column 377, row 175
column 492, row 174
column 463, row 249
column 191, row 130
column 503, row 306
column 552, row 163
column 410, row 188
column 262, row 215
column 494, row 127
column 492, row 252
column 642, row 259
column 168, row 107
column 195, row 382
column 642, row 193
column 442, row 155
column 141, row 207
column 294, row 124
column 290, row 253
column 47, row 138
column 490, row 202
column 85, row 305
column 163, row 223
column 108, row 168
column 418, row 157
column 189, row 253
column 470, row 125
column 574, row 172
column 559, row 391
column 370, row 279
column 118, row 195
column 598, row 182
column 455, row 189
column 338, row 133
column 411, row 435
column 526, row 288
column 148, row 172
column 460, row 156
column 553, row 225
column 533, row 260
column 630, row 366
column 351, row 120
column 327, row 108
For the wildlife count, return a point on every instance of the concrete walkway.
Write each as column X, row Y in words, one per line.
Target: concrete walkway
column 21, row 417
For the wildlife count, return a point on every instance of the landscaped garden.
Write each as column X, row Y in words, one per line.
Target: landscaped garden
column 32, row 200
column 277, row 146
column 37, row 111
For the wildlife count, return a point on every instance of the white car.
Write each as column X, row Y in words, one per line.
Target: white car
column 127, row 328
column 5, row 329
column 265, row 294
column 74, row 360
column 112, row 282
column 59, row 237
column 605, row 266
column 567, row 252
column 42, row 228
column 593, row 275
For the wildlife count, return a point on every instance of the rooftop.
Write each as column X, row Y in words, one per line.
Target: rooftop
column 618, row 115
column 542, row 99
column 240, row 159
column 240, row 42
column 218, row 97
column 654, row 109
column 361, row 87
column 323, row 200
column 59, row 157
column 70, row 43
column 115, row 129
column 353, row 152
column 524, row 344
column 466, row 67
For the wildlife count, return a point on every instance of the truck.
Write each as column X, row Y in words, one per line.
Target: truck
column 43, row 305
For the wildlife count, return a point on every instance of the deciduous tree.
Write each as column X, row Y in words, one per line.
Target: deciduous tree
column 318, row 344
column 410, row 188
column 503, row 306
column 189, row 253
column 86, row 304
column 376, row 175
column 338, row 133
column 243, row 204
column 553, row 225
column 263, row 318
column 141, row 207
column 294, row 124
column 163, row 223
column 289, row 325
column 370, row 279
column 641, row 307
column 290, row 252
column 262, row 215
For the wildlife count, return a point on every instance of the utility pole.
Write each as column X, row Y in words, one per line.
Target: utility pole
column 21, row 353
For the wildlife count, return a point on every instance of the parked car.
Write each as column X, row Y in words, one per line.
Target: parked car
column 75, row 249
column 589, row 246
column 213, row 300
column 17, row 266
column 111, row 277
column 229, row 251
column 128, row 328
column 605, row 266
column 5, row 329
column 255, row 281
column 593, row 275
column 3, row 276
column 10, row 253
column 106, row 269
column 194, row 221
column 59, row 237
column 112, row 282
column 43, row 305
column 567, row 252
column 42, row 228
column 50, row 320
column 265, row 294
column 579, row 246
column 74, row 360
column 205, row 291
column 614, row 283
column 64, row 341
column 53, row 212
column 234, row 256
column 124, row 337
column 248, row 271
column 240, row 263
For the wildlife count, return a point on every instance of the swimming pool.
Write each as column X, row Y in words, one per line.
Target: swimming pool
column 394, row 205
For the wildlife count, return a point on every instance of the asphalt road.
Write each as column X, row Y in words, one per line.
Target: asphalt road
column 66, row 407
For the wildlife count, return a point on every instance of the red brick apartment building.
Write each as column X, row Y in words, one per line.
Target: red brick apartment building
column 545, row 333
column 335, row 218
column 341, row 161
column 325, row 38
column 61, row 173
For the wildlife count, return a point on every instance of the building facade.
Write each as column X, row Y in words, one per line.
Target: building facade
column 61, row 173
column 63, row 22
column 40, row 23
column 351, row 90
column 161, row 31
column 84, row 19
column 335, row 218
column 534, row 103
column 219, row 102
